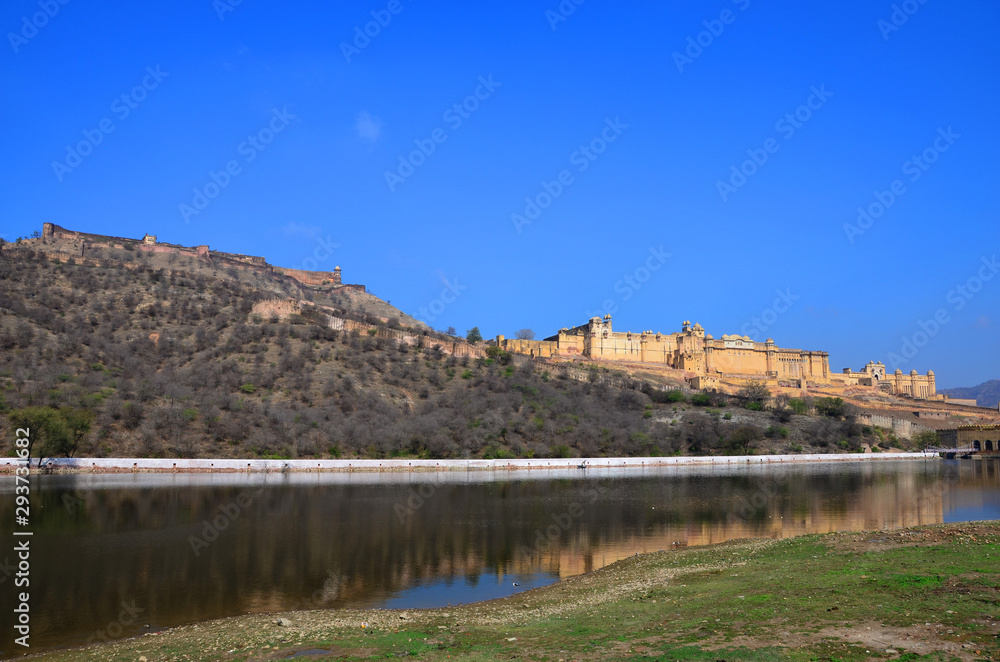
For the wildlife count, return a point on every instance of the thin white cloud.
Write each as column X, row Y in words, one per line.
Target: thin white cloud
column 369, row 128
column 293, row 229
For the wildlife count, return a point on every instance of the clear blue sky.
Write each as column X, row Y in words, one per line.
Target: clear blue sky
column 329, row 122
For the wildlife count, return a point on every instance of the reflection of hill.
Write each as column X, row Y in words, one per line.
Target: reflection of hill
column 315, row 546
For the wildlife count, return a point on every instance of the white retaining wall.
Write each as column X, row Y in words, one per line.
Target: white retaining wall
column 148, row 465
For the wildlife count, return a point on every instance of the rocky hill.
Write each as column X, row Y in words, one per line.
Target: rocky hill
column 986, row 394
column 163, row 356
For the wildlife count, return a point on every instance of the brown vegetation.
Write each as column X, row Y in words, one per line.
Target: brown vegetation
column 164, row 362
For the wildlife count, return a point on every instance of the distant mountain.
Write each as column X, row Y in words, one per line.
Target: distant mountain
column 986, row 394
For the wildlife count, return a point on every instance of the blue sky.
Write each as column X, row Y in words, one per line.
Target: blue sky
column 618, row 130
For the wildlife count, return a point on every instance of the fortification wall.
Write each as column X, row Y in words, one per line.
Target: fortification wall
column 318, row 279
column 253, row 260
column 280, row 308
column 533, row 348
column 959, row 401
column 311, row 277
column 901, row 427
column 52, row 231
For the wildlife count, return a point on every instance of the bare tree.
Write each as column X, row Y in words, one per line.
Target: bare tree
column 754, row 394
column 525, row 334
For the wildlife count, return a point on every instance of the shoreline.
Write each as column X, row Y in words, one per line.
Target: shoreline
column 672, row 604
column 210, row 465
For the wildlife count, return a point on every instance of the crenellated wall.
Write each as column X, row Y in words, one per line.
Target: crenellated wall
column 148, row 244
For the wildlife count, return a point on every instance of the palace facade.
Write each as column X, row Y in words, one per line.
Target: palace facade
column 707, row 360
column 690, row 349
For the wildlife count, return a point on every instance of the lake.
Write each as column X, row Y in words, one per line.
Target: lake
column 112, row 554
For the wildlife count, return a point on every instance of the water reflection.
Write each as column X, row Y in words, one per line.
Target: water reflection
column 183, row 548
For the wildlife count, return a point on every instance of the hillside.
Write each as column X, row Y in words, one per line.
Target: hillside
column 986, row 394
column 132, row 358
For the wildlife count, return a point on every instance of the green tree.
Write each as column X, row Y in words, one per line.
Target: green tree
column 926, row 439
column 701, row 399
column 499, row 355
column 53, row 431
column 474, row 335
column 833, row 407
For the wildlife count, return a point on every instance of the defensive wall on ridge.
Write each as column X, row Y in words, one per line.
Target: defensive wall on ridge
column 81, row 241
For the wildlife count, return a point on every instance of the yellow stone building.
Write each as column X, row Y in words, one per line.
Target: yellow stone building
column 708, row 360
column 690, row 349
column 980, row 438
column 914, row 385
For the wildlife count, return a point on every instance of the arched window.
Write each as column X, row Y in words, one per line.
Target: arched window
column 976, row 446
column 989, row 445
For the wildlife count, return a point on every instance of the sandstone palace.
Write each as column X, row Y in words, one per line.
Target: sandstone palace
column 706, row 361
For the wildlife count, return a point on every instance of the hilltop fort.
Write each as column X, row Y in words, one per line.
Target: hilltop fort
column 82, row 241
column 707, row 361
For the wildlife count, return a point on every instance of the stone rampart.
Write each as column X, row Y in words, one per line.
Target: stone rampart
column 148, row 244
column 901, row 427
column 280, row 308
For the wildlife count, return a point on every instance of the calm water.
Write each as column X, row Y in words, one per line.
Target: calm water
column 183, row 548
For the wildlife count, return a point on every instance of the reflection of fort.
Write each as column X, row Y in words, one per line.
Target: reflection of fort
column 886, row 506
